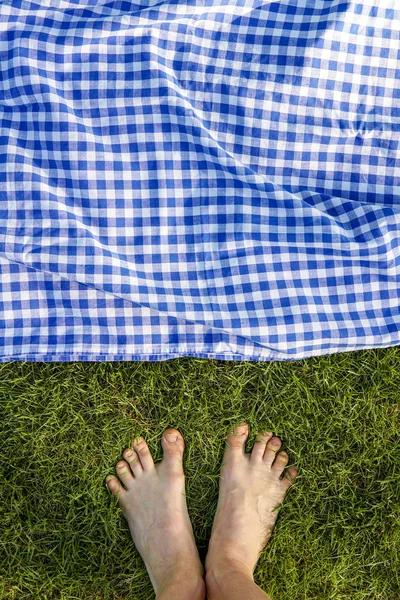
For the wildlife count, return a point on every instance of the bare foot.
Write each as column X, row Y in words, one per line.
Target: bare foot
column 154, row 504
column 250, row 489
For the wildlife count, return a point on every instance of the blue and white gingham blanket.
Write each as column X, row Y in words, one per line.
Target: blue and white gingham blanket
column 210, row 178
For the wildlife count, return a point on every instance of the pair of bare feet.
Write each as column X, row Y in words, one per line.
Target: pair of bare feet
column 152, row 499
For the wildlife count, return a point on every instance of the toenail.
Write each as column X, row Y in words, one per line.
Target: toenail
column 275, row 442
column 138, row 440
column 171, row 437
column 129, row 452
column 237, row 432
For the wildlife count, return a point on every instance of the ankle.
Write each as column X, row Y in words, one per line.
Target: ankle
column 232, row 580
column 181, row 578
column 182, row 586
column 179, row 564
column 226, row 568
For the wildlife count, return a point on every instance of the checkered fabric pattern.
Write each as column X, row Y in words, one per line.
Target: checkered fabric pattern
column 207, row 178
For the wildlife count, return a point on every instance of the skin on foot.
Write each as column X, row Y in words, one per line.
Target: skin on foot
column 153, row 500
column 250, row 489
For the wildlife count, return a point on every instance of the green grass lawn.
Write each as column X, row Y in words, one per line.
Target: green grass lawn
column 65, row 425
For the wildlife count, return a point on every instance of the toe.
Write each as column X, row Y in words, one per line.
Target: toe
column 271, row 449
column 173, row 446
column 289, row 477
column 114, row 485
column 125, row 474
column 280, row 462
column 235, row 443
column 133, row 461
column 143, row 452
column 259, row 446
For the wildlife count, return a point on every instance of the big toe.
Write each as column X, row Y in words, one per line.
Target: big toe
column 235, row 443
column 173, row 446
